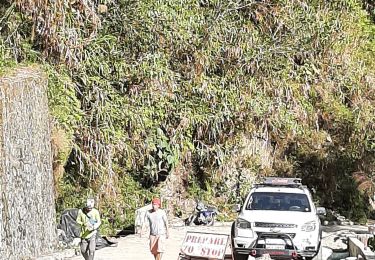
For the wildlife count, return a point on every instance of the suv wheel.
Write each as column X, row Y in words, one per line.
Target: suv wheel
column 211, row 222
column 190, row 221
column 239, row 257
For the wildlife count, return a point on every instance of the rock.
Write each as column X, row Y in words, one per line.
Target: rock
column 177, row 222
column 337, row 241
column 326, row 252
column 57, row 255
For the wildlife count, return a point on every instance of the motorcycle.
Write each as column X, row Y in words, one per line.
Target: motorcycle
column 202, row 215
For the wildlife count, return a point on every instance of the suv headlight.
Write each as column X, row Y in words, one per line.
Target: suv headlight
column 309, row 226
column 241, row 223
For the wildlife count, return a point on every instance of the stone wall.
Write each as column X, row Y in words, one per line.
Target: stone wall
column 27, row 211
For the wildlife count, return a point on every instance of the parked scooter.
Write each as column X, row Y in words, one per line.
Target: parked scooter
column 202, row 215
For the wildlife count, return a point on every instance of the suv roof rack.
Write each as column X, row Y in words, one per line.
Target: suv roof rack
column 283, row 182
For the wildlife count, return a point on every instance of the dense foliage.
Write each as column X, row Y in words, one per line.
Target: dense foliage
column 214, row 92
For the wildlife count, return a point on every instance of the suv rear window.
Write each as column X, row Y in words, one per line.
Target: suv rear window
column 278, row 201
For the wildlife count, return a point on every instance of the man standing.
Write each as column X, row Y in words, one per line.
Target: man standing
column 159, row 230
column 89, row 220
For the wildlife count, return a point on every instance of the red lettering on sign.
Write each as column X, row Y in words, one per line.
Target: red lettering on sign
column 218, row 241
column 215, row 252
column 210, row 245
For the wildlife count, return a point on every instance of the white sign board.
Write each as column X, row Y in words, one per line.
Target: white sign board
column 204, row 245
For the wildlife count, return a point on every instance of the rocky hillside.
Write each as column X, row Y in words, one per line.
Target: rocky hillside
column 199, row 98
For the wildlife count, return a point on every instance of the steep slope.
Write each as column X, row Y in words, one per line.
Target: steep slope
column 197, row 97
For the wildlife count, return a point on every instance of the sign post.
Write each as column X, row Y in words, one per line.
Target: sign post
column 204, row 246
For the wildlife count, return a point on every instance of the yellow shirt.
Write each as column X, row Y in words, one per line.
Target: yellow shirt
column 89, row 223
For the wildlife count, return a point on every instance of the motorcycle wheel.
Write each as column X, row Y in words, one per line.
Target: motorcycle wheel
column 190, row 221
column 211, row 222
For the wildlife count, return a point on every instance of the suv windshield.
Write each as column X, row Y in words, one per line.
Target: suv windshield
column 279, row 201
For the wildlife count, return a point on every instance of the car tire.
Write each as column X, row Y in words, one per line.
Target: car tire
column 240, row 257
column 211, row 222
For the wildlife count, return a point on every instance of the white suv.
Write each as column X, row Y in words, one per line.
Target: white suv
column 278, row 206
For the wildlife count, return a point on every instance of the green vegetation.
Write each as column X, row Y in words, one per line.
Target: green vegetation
column 142, row 90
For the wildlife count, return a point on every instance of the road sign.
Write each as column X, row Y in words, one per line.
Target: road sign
column 204, row 245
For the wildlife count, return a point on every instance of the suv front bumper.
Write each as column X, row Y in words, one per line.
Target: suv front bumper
column 306, row 243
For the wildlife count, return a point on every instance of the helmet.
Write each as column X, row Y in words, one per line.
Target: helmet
column 90, row 203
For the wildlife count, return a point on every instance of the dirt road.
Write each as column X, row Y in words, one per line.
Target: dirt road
column 133, row 247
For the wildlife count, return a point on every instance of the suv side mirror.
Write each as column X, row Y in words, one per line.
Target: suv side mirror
column 321, row 211
column 237, row 208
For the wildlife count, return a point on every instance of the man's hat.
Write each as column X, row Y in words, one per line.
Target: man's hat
column 156, row 201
